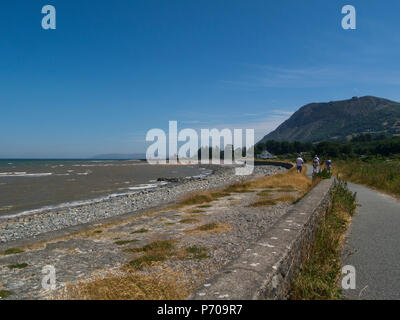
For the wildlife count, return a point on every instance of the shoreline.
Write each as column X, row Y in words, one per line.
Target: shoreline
column 152, row 185
column 31, row 226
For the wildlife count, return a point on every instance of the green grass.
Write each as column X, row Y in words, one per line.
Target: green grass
column 323, row 174
column 158, row 245
column 123, row 242
column 205, row 206
column 5, row 294
column 318, row 279
column 207, row 227
column 12, row 251
column 147, row 260
column 156, row 251
column 162, row 250
column 198, row 199
column 264, row 203
column 18, row 266
column 142, row 230
column 286, row 190
column 238, row 188
column 265, row 193
column 195, row 211
column 380, row 174
column 197, row 252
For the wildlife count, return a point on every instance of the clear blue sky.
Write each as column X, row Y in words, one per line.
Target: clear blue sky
column 112, row 70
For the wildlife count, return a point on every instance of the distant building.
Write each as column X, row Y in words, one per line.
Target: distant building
column 265, row 155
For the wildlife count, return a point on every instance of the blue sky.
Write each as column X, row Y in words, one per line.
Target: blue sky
column 112, row 70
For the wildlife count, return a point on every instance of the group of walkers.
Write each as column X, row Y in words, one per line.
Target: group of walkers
column 315, row 162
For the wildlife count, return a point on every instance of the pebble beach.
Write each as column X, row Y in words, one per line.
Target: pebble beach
column 34, row 224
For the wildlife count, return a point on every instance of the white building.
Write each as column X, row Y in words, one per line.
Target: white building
column 266, row 155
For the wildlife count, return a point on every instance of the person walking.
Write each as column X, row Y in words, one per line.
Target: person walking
column 299, row 162
column 329, row 165
column 316, row 163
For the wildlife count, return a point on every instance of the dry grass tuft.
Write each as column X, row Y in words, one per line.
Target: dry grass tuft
column 293, row 186
column 288, row 180
column 210, row 228
column 272, row 202
column 188, row 220
column 242, row 187
column 161, row 284
column 198, row 198
column 194, row 211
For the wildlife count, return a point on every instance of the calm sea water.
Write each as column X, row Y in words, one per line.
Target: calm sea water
column 33, row 184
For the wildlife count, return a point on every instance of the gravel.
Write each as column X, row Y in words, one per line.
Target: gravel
column 56, row 219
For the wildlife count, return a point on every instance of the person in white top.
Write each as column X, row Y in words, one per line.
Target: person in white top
column 316, row 164
column 299, row 162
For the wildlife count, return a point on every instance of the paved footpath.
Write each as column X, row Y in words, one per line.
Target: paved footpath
column 373, row 245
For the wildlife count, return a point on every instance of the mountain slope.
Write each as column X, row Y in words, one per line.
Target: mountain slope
column 339, row 119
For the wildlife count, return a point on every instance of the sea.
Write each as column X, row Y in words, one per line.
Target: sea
column 30, row 186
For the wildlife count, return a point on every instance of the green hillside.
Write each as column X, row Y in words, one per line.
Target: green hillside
column 339, row 120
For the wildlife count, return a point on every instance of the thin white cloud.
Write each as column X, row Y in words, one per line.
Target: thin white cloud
column 261, row 127
column 264, row 76
column 282, row 112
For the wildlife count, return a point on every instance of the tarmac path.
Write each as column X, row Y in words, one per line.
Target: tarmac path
column 373, row 245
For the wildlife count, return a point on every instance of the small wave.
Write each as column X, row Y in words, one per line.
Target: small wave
column 94, row 165
column 147, row 186
column 73, row 204
column 24, row 174
column 84, row 173
column 6, row 208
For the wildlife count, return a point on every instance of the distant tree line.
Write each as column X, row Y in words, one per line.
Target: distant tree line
column 361, row 145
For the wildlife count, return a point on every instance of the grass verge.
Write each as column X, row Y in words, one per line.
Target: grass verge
column 318, row 279
column 379, row 174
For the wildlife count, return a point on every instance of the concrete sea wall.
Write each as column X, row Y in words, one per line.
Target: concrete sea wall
column 267, row 268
